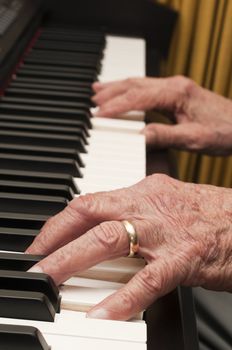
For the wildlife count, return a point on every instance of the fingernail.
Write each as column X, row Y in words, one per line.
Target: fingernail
column 96, row 113
column 98, row 313
column 36, row 269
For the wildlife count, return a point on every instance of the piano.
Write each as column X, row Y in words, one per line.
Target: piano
column 52, row 150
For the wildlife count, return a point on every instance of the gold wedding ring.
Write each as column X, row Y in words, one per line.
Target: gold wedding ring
column 133, row 238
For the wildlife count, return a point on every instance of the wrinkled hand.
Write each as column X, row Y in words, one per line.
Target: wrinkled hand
column 185, row 235
column 203, row 119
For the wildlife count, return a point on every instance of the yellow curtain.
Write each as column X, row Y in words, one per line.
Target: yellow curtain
column 202, row 49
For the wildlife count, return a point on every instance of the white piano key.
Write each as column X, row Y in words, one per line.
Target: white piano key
column 58, row 342
column 132, row 116
column 73, row 323
column 101, row 155
column 124, row 58
column 126, row 162
column 114, row 172
column 118, row 270
column 117, row 125
column 103, row 182
column 81, row 294
column 116, row 135
column 92, row 283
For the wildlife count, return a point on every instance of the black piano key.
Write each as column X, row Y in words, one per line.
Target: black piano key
column 23, row 221
column 88, row 77
column 16, row 239
column 43, row 128
column 49, row 112
column 51, row 68
column 36, row 139
column 94, row 32
column 14, row 337
column 51, row 87
column 66, row 153
column 31, row 204
column 77, row 124
column 48, row 178
column 59, row 83
column 44, row 102
column 80, row 57
column 45, row 94
column 74, row 37
column 26, row 305
column 18, row 262
column 61, row 62
column 67, row 46
column 86, row 61
column 38, row 163
column 36, row 188
column 31, row 282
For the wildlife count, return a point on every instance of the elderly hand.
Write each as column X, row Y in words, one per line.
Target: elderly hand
column 185, row 236
column 203, row 119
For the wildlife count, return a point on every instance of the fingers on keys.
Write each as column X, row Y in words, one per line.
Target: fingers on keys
column 149, row 284
column 105, row 241
column 78, row 217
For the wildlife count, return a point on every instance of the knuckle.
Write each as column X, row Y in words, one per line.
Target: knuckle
column 129, row 82
column 182, row 81
column 200, row 139
column 66, row 217
column 40, row 244
column 150, row 280
column 161, row 178
column 107, row 234
column 84, row 204
column 84, row 201
column 60, row 258
column 132, row 95
column 129, row 301
column 185, row 88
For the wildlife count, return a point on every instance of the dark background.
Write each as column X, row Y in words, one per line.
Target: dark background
column 133, row 17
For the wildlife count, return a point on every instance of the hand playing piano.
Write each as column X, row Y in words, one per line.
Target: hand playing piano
column 185, row 236
column 202, row 119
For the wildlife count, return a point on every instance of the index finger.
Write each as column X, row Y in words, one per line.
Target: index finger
column 103, row 242
column 109, row 91
column 98, row 86
column 78, row 217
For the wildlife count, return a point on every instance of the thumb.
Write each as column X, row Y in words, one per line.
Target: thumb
column 154, row 281
column 182, row 136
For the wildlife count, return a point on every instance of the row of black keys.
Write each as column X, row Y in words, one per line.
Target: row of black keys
column 38, row 115
column 25, row 295
column 44, row 122
column 14, row 337
column 22, row 215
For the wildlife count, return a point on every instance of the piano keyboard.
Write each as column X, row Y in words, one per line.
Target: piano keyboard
column 51, row 151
